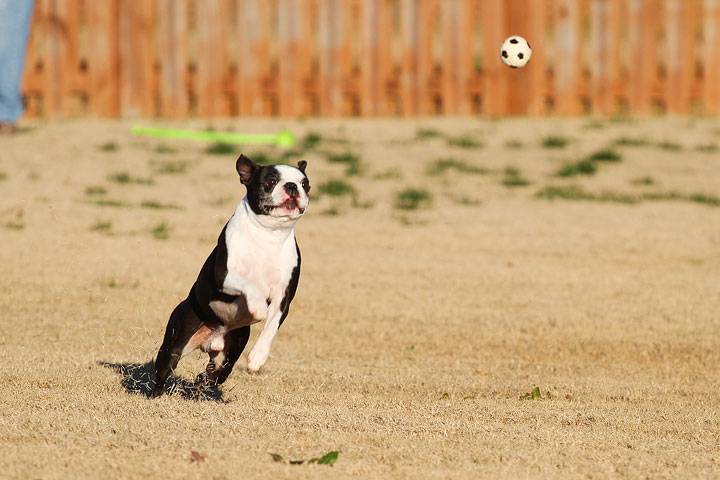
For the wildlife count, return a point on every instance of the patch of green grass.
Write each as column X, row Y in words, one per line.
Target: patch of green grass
column 354, row 166
column 413, row 199
column 604, row 156
column 514, row 144
column 553, row 141
column 705, row 199
column 643, row 181
column 513, row 178
column 582, row 167
column 95, row 190
column 631, row 142
column 162, row 148
column 427, row 133
column 328, row 459
column 708, row 148
column 109, row 147
column 574, row 192
column 125, row 177
column 390, row 174
column 465, row 200
column 465, row 141
column 669, row 146
column 331, row 211
column 153, row 204
column 220, row 148
column 336, row 188
column 101, row 226
column 444, row 164
column 534, row 395
column 106, row 202
column 171, row 167
column 15, row 225
column 310, row 141
column 3, row 176
column 161, row 231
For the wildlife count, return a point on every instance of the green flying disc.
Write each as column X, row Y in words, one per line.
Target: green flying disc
column 281, row 139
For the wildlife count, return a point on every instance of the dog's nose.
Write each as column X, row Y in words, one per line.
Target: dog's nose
column 291, row 189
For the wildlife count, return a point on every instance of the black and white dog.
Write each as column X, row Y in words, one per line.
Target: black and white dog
column 250, row 276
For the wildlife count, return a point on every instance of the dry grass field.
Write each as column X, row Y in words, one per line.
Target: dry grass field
column 450, row 267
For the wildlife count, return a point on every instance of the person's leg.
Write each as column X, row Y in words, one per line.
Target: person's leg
column 15, row 16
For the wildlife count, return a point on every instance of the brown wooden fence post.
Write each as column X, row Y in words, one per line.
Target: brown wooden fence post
column 604, row 58
column 103, row 57
column 495, row 88
column 567, row 62
column 681, row 18
column 711, row 57
column 293, row 56
column 642, row 62
column 212, row 57
column 174, row 55
column 334, row 57
column 457, row 56
column 375, row 52
column 136, row 57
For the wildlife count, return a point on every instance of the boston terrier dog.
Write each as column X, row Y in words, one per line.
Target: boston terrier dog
column 250, row 276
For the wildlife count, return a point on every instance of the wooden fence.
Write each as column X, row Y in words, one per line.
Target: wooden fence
column 214, row 58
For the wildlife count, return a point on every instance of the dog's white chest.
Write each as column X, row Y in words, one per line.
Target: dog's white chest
column 265, row 262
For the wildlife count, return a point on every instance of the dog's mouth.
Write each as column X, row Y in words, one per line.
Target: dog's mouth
column 291, row 204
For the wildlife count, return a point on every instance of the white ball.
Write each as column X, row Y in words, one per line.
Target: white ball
column 515, row 51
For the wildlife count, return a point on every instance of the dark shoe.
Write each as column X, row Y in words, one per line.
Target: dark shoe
column 7, row 128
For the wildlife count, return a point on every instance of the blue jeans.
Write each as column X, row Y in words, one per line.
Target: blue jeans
column 15, row 16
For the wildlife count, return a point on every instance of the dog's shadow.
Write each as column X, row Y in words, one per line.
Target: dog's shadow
column 138, row 379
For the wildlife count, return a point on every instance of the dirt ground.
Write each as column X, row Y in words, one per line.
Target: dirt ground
column 417, row 335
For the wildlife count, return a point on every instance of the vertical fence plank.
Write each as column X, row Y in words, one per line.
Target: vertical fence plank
column 642, row 67
column 253, row 55
column 457, row 56
column 58, row 53
column 495, row 89
column 711, row 56
column 293, row 56
column 103, row 57
column 417, row 58
column 528, row 18
column 567, row 64
column 410, row 20
column 212, row 57
column 681, row 19
column 135, row 46
column 375, row 55
column 604, row 58
column 334, row 57
column 174, row 55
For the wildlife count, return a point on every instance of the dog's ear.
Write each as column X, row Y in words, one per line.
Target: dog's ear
column 301, row 165
column 246, row 168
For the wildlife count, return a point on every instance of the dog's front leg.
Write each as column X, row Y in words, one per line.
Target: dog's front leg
column 261, row 350
column 236, row 284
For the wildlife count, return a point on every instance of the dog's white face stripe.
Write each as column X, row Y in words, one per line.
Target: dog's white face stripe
column 293, row 175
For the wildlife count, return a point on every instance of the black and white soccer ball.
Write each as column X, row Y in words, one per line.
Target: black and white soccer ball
column 515, row 51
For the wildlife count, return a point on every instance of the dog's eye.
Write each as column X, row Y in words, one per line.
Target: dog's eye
column 270, row 183
column 306, row 185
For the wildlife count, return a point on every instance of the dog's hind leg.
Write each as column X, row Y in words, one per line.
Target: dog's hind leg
column 181, row 328
column 222, row 361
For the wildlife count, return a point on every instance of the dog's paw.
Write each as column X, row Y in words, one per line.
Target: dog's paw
column 257, row 358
